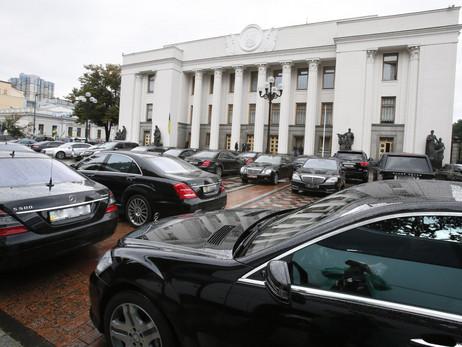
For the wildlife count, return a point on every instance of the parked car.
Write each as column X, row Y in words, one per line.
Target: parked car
column 67, row 150
column 449, row 172
column 401, row 166
column 268, row 167
column 150, row 148
column 110, row 146
column 355, row 164
column 181, row 153
column 87, row 152
column 40, row 146
column 9, row 146
column 47, row 209
column 148, row 186
column 5, row 138
column 325, row 175
column 249, row 157
column 41, row 138
column 378, row 264
column 25, row 142
column 300, row 160
column 219, row 161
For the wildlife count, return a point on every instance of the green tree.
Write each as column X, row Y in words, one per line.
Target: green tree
column 457, row 129
column 103, row 82
column 11, row 126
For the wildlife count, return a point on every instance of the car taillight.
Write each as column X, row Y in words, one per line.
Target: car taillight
column 184, row 191
column 249, row 160
column 111, row 206
column 9, row 225
column 222, row 187
column 206, row 163
column 364, row 163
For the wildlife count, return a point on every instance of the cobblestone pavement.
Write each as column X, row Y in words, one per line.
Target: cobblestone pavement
column 47, row 304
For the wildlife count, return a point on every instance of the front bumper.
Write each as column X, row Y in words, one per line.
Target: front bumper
column 324, row 187
column 258, row 177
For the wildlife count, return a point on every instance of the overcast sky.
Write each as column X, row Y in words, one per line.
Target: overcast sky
column 54, row 39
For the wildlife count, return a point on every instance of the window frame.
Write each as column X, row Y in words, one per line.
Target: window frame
column 230, row 113
column 211, row 83
column 390, row 65
column 331, row 113
column 325, row 74
column 232, row 82
column 301, row 74
column 278, row 110
column 209, row 114
column 298, row 109
column 252, row 108
column 149, row 111
column 151, row 81
column 253, row 81
column 387, row 106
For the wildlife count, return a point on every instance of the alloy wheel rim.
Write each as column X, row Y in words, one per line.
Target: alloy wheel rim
column 138, row 211
column 133, row 326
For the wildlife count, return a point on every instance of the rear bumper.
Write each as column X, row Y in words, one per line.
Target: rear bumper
column 26, row 248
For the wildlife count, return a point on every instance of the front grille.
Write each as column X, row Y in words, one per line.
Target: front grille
column 313, row 179
column 254, row 171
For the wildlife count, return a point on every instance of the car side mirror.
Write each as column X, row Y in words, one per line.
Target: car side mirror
column 277, row 280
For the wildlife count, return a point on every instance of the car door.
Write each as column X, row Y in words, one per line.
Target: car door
column 394, row 282
column 227, row 161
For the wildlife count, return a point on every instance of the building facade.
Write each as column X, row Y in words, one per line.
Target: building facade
column 389, row 79
column 34, row 87
column 10, row 97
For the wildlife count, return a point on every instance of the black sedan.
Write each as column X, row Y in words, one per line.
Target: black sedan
column 148, row 186
column 39, row 146
column 218, row 162
column 269, row 168
column 325, row 175
column 47, row 209
column 181, row 153
column 352, row 269
column 249, row 157
column 449, row 172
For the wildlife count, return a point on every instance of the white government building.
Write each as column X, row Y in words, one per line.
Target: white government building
column 390, row 79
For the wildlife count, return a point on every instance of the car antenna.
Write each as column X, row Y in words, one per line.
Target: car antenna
column 12, row 154
column 50, row 183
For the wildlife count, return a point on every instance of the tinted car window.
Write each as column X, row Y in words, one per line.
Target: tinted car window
column 321, row 164
column 92, row 163
column 350, row 156
column 412, row 164
column 172, row 166
column 205, row 154
column 23, row 171
column 121, row 163
column 390, row 260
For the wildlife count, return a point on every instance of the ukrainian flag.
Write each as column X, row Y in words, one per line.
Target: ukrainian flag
column 169, row 123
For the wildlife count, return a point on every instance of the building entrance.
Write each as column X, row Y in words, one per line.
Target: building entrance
column 385, row 145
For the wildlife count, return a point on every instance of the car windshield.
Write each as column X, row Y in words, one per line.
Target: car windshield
column 324, row 164
column 268, row 159
column 411, row 164
column 24, row 171
column 301, row 221
column 205, row 154
column 172, row 165
column 350, row 156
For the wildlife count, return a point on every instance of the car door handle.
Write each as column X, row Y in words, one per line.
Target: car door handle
column 130, row 178
column 422, row 342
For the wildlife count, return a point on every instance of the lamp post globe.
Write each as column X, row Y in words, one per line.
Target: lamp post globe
column 87, row 100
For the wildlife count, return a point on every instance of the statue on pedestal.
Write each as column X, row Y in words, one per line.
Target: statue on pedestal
column 346, row 140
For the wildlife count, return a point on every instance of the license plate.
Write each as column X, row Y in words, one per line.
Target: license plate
column 67, row 213
column 208, row 189
column 315, row 186
column 252, row 176
column 349, row 165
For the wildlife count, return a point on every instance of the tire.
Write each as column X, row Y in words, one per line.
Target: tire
column 60, row 155
column 275, row 178
column 218, row 170
column 138, row 210
column 130, row 319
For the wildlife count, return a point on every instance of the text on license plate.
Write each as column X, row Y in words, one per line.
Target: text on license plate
column 71, row 212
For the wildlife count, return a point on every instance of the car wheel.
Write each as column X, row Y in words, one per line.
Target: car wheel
column 218, row 170
column 130, row 319
column 275, row 178
column 138, row 210
column 295, row 191
column 60, row 155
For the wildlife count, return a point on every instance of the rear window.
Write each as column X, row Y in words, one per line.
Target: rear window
column 172, row 165
column 410, row 164
column 24, row 171
column 351, row 156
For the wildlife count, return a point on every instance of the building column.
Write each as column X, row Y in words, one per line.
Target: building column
column 311, row 106
column 368, row 102
column 237, row 105
column 216, row 109
column 260, row 111
column 196, row 116
column 411, row 108
column 283, row 135
column 137, row 107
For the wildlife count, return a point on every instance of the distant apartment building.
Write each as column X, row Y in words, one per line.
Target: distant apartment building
column 10, row 97
column 33, row 85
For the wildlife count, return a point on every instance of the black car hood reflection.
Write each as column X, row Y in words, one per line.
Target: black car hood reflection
column 313, row 171
column 260, row 165
column 211, row 234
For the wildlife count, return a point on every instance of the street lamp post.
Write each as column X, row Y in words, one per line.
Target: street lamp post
column 35, row 112
column 87, row 100
column 271, row 93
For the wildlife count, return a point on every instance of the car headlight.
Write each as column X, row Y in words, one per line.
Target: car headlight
column 332, row 180
column 243, row 169
column 267, row 172
column 296, row 177
column 104, row 263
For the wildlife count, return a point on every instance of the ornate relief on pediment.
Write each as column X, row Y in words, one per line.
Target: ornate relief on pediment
column 251, row 40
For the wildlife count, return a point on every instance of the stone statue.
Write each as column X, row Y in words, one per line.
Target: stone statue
column 157, row 137
column 346, row 140
column 430, row 145
column 439, row 149
column 121, row 134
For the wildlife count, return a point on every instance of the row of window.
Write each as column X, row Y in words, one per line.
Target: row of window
column 71, row 132
column 389, row 73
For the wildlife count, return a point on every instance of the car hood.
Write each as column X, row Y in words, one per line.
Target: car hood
column 259, row 165
column 323, row 172
column 210, row 234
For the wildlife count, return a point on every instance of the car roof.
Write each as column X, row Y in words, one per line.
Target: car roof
column 15, row 147
column 397, row 154
column 7, row 153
